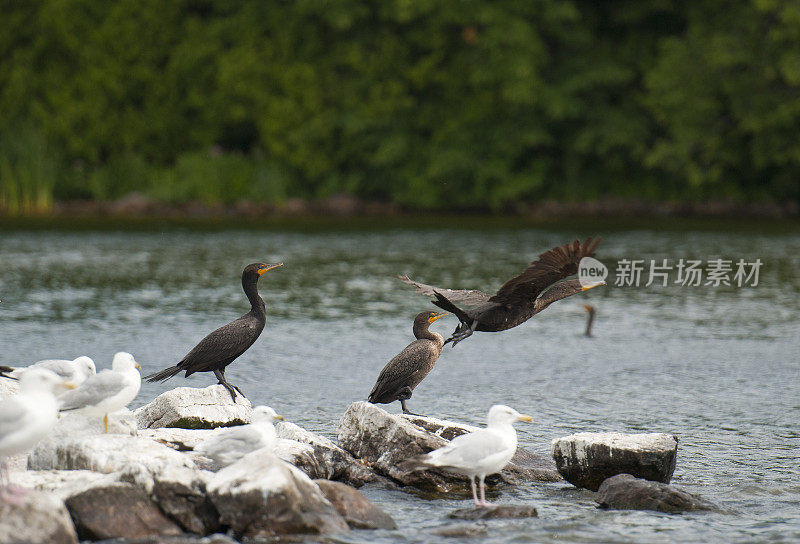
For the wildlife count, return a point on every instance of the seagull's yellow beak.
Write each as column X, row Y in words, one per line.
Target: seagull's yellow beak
column 525, row 418
column 268, row 268
column 592, row 285
column 138, row 366
column 68, row 385
column 279, row 417
column 434, row 317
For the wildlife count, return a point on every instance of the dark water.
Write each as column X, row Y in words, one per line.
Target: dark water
column 720, row 368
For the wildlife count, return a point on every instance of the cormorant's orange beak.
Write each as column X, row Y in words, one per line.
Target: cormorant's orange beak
column 592, row 285
column 434, row 317
column 588, row 308
column 268, row 268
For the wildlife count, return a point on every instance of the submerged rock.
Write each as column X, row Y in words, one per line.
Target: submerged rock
column 586, row 459
column 260, row 495
column 194, row 408
column 357, row 511
column 39, row 517
column 498, row 511
column 327, row 460
column 461, row 530
column 118, row 511
column 383, row 441
column 624, row 492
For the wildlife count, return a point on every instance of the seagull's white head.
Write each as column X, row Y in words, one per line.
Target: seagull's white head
column 265, row 414
column 86, row 365
column 124, row 361
column 40, row 380
column 500, row 414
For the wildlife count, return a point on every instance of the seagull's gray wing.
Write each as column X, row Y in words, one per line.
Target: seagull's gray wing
column 93, row 391
column 470, row 297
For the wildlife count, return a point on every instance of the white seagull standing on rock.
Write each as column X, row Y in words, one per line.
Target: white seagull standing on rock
column 477, row 454
column 27, row 417
column 230, row 445
column 108, row 390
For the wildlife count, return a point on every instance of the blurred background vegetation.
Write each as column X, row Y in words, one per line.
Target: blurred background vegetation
column 429, row 104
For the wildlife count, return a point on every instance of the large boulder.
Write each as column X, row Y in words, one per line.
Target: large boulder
column 357, row 511
column 36, row 517
column 323, row 459
column 586, row 459
column 194, row 408
column 624, row 492
column 261, row 495
column 383, row 440
column 118, row 511
column 62, row 484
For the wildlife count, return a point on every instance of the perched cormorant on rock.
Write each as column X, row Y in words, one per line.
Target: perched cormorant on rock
column 520, row 298
column 589, row 319
column 408, row 368
column 220, row 348
column 479, row 453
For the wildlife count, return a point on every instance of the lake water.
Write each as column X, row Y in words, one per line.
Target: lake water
column 718, row 367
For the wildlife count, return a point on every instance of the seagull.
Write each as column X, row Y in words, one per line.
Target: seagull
column 106, row 391
column 75, row 372
column 477, row 454
column 230, row 445
column 27, row 417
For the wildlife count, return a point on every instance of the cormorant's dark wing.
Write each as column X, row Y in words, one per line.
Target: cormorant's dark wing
column 222, row 346
column 551, row 266
column 470, row 297
column 399, row 371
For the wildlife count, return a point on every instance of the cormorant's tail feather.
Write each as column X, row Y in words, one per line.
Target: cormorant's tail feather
column 164, row 375
column 445, row 304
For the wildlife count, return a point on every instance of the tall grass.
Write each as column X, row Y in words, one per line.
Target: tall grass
column 29, row 168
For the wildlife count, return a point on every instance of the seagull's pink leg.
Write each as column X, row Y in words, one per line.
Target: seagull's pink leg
column 474, row 491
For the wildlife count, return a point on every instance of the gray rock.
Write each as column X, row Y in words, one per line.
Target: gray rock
column 194, row 408
column 624, row 492
column 329, row 460
column 357, row 511
column 188, row 505
column 260, row 495
column 39, row 517
column 461, row 530
column 586, row 459
column 118, row 511
column 62, row 484
column 500, row 511
column 383, row 440
column 172, row 539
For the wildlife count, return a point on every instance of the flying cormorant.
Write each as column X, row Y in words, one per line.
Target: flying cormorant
column 220, row 348
column 520, row 298
column 408, row 368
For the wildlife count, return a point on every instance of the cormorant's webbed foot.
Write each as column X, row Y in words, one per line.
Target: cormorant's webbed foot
column 403, row 395
column 462, row 331
column 232, row 389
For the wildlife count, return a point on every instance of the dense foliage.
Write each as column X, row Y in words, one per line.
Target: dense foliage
column 459, row 104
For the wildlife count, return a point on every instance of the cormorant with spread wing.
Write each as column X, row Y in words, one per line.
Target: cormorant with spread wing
column 520, row 298
column 220, row 348
column 408, row 368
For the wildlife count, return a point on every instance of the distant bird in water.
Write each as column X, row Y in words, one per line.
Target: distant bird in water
column 589, row 319
column 220, row 348
column 477, row 454
column 520, row 298
column 408, row 368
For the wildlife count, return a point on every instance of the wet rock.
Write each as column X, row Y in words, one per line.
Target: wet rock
column 500, row 511
column 329, row 460
column 194, row 408
column 461, row 530
column 586, row 459
column 357, row 511
column 624, row 492
column 260, row 495
column 383, row 440
column 39, row 517
column 175, row 539
column 118, row 511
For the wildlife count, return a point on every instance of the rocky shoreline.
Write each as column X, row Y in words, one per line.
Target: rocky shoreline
column 145, row 480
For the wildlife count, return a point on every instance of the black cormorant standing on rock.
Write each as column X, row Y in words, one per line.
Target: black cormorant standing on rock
column 589, row 319
column 520, row 298
column 408, row 368
column 224, row 345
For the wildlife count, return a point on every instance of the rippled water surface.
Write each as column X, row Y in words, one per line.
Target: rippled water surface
column 720, row 368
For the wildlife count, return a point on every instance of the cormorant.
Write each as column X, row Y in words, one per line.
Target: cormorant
column 589, row 319
column 408, row 368
column 5, row 372
column 520, row 298
column 220, row 348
